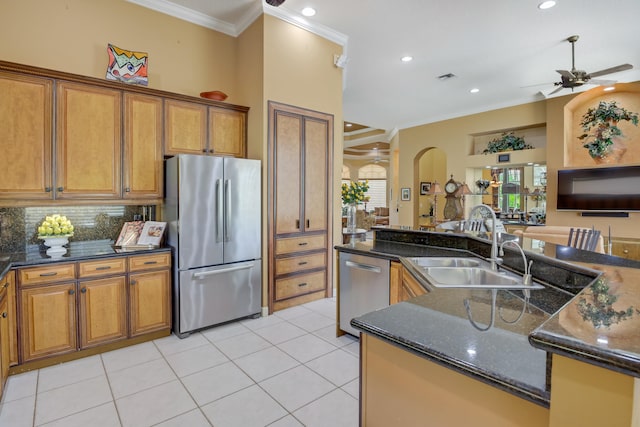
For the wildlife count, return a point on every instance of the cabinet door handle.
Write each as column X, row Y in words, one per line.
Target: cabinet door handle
column 303, row 244
column 72, row 291
column 308, row 223
column 6, row 285
column 52, row 273
column 297, row 223
column 83, row 290
column 60, row 189
column 302, row 284
column 150, row 262
column 302, row 263
column 103, row 267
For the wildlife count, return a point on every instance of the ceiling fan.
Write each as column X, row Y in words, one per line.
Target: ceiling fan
column 576, row 78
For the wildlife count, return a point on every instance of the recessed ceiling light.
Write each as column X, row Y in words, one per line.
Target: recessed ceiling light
column 308, row 11
column 348, row 125
column 474, row 90
column 406, row 58
column 609, row 88
column 546, row 4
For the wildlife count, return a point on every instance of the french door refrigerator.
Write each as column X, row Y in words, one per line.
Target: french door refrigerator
column 213, row 212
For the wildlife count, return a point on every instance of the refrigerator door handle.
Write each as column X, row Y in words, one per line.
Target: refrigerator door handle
column 227, row 209
column 221, row 271
column 219, row 211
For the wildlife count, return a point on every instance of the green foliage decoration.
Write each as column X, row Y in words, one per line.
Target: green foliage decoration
column 353, row 192
column 600, row 127
column 507, row 142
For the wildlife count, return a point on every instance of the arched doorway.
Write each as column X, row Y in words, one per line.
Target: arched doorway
column 430, row 166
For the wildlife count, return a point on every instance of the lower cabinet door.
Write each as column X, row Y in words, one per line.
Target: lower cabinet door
column 149, row 302
column 103, row 311
column 5, row 355
column 48, row 320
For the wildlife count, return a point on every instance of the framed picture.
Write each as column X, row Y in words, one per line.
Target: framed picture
column 425, row 187
column 405, row 194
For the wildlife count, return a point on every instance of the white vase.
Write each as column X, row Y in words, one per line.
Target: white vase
column 56, row 245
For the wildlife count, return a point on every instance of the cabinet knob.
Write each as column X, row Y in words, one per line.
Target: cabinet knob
column 6, row 285
column 83, row 290
column 4, row 315
column 47, row 189
column 211, row 150
column 626, row 251
column 72, row 291
column 204, row 150
column 127, row 190
column 133, row 282
column 60, row 189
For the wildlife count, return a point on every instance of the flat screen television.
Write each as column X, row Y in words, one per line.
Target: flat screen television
column 614, row 189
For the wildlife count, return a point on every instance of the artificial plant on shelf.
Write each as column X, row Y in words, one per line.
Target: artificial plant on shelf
column 508, row 141
column 600, row 127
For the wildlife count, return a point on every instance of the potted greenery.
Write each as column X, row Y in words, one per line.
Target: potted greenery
column 507, row 142
column 352, row 194
column 600, row 125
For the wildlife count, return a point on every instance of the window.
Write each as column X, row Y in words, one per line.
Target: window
column 377, row 177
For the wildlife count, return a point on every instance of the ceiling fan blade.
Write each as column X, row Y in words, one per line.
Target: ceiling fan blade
column 611, row 70
column 601, row 82
column 567, row 74
column 558, row 89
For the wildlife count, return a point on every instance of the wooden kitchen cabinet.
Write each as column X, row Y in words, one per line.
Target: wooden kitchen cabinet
column 142, row 160
column 149, row 293
column 227, row 132
column 26, row 136
column 402, row 285
column 88, row 142
column 185, row 128
column 300, row 144
column 5, row 345
column 9, row 283
column 47, row 320
column 102, row 303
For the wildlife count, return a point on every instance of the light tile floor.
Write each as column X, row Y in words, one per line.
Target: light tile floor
column 284, row 370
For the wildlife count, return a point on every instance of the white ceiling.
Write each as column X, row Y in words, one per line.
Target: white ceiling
column 509, row 49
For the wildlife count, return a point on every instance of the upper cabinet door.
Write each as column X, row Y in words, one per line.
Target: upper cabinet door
column 25, row 136
column 227, row 132
column 142, row 146
column 316, row 201
column 89, row 146
column 185, row 128
column 287, row 154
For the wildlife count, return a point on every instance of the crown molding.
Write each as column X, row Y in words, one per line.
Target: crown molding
column 198, row 18
column 298, row 20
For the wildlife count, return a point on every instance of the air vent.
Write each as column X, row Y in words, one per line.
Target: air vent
column 446, row 76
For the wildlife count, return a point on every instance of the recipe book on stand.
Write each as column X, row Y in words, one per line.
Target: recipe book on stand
column 140, row 235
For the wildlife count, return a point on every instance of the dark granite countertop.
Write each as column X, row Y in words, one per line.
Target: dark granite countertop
column 76, row 251
column 511, row 356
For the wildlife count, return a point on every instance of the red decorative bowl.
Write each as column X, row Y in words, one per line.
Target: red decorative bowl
column 215, row 95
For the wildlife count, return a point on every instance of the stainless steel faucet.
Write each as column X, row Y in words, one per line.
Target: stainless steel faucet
column 494, row 236
column 526, row 277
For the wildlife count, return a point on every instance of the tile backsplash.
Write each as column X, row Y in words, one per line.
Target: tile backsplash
column 18, row 226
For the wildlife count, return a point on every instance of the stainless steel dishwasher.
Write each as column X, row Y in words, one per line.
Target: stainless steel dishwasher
column 364, row 287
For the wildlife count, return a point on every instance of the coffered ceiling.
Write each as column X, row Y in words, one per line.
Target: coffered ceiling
column 508, row 49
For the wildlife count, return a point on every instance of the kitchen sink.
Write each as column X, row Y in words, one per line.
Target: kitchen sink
column 444, row 262
column 473, row 277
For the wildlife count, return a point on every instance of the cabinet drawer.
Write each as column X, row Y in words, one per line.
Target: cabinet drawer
column 47, row 274
column 149, row 262
column 102, row 267
column 299, row 244
column 298, row 285
column 304, row 262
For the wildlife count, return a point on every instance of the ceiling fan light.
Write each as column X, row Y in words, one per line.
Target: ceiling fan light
column 546, row 4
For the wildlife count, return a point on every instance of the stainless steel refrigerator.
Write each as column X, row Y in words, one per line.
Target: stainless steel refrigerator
column 213, row 210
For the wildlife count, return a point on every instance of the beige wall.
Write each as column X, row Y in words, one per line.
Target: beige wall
column 72, row 36
column 454, row 137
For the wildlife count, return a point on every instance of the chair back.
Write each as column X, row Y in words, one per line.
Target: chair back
column 583, row 238
column 473, row 225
